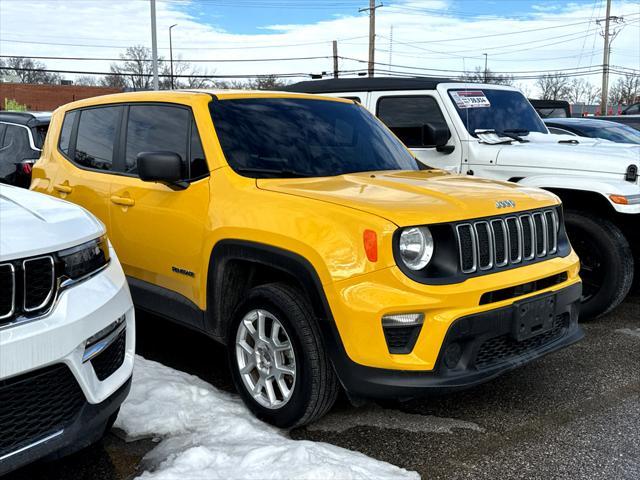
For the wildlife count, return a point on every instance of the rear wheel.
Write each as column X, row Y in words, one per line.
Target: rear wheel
column 606, row 262
column 278, row 362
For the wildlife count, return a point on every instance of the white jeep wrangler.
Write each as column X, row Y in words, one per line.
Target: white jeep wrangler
column 493, row 131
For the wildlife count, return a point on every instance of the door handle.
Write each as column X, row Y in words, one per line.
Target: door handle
column 123, row 201
column 63, row 188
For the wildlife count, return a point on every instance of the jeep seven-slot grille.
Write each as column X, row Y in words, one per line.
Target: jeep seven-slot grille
column 498, row 242
column 27, row 287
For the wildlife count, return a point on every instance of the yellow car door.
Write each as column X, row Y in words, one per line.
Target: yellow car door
column 158, row 229
column 82, row 167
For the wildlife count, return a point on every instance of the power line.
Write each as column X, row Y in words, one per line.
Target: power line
column 244, row 47
column 221, row 60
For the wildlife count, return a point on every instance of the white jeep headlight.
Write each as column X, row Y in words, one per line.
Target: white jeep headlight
column 416, row 247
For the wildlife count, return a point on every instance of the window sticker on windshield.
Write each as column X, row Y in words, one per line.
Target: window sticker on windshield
column 470, row 99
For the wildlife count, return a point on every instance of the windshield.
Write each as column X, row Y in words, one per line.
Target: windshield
column 292, row 137
column 500, row 110
column 615, row 133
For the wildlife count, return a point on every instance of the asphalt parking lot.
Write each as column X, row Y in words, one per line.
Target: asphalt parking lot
column 573, row 414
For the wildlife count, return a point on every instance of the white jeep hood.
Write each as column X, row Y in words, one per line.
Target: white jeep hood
column 32, row 224
column 589, row 154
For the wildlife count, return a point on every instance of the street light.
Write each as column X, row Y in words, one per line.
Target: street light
column 171, row 54
column 486, row 56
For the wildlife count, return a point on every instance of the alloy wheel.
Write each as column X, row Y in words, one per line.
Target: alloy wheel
column 266, row 359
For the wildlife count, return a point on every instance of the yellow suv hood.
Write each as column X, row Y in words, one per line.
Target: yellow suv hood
column 415, row 197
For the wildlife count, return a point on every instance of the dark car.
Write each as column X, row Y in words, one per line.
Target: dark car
column 633, row 109
column 590, row 127
column 632, row 120
column 22, row 135
column 551, row 108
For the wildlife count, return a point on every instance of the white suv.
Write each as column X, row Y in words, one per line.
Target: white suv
column 67, row 332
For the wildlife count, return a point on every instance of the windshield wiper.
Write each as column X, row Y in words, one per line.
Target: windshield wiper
column 275, row 172
column 511, row 134
column 514, row 133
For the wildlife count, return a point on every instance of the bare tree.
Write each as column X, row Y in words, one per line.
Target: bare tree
column 581, row 91
column 184, row 76
column 553, row 86
column 116, row 80
column 525, row 88
column 478, row 75
column 28, row 70
column 266, row 82
column 626, row 89
column 87, row 81
column 136, row 69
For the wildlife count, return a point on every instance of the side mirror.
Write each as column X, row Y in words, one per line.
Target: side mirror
column 163, row 167
column 437, row 135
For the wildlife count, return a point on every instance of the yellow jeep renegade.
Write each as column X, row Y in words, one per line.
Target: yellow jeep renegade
column 301, row 233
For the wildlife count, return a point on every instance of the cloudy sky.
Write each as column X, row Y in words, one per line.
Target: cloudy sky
column 430, row 37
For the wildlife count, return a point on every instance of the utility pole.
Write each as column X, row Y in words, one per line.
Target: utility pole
column 486, row 56
column 605, row 62
column 609, row 34
column 154, row 45
column 171, row 55
column 372, row 34
column 335, row 59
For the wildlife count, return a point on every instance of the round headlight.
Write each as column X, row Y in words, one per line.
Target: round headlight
column 416, row 247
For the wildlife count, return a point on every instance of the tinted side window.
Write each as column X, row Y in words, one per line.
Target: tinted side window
column 96, row 136
column 3, row 127
column 560, row 131
column 157, row 128
column 65, row 132
column 406, row 116
column 39, row 134
column 196, row 154
column 16, row 148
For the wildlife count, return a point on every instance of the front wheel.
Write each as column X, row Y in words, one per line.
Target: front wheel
column 606, row 262
column 278, row 362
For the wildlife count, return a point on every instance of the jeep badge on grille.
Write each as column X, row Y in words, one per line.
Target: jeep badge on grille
column 505, row 204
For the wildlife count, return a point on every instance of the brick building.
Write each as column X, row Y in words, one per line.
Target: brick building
column 48, row 97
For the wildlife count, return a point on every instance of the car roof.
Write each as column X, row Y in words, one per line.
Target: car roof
column 548, row 103
column 185, row 96
column 337, row 85
column 30, row 119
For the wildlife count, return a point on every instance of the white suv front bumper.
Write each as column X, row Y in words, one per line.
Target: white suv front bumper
column 80, row 311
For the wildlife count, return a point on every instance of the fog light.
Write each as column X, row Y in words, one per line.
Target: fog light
column 401, row 331
column 452, row 355
column 402, row 320
column 101, row 340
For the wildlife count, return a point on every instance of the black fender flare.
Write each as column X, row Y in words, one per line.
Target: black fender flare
column 287, row 262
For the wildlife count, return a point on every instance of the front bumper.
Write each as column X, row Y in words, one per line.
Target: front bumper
column 87, row 428
column 487, row 350
column 56, row 342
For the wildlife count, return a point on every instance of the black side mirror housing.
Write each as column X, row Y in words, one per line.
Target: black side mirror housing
column 437, row 135
column 163, row 167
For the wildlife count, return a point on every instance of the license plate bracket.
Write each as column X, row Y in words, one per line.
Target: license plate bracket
column 533, row 317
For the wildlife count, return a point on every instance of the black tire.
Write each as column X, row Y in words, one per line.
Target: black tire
column 316, row 385
column 606, row 262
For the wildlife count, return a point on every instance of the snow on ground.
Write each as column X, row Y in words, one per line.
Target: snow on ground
column 209, row 434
